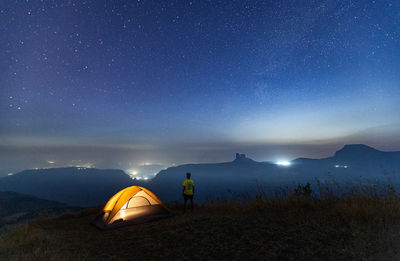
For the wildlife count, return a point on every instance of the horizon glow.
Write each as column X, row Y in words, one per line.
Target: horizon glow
column 122, row 83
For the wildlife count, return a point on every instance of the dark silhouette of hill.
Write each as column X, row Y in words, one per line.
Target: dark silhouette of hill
column 73, row 186
column 353, row 163
column 214, row 179
column 357, row 151
column 17, row 208
column 13, row 202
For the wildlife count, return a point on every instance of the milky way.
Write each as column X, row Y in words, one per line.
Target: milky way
column 116, row 83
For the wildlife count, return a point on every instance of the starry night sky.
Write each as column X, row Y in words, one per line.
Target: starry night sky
column 118, row 83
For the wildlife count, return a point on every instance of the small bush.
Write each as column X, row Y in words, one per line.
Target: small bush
column 304, row 191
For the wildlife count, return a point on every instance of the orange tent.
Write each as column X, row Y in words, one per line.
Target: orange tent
column 131, row 206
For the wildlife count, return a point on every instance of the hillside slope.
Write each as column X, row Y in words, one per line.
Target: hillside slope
column 17, row 208
column 12, row 202
column 358, row 227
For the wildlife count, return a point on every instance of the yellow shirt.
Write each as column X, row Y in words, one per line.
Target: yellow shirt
column 188, row 184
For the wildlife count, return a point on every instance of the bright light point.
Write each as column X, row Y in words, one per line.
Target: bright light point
column 10, row 174
column 145, row 178
column 283, row 163
column 341, row 166
column 50, row 162
column 132, row 171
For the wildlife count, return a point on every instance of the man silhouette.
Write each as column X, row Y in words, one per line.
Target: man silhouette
column 188, row 191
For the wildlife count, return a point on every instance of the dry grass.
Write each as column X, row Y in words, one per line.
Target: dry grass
column 356, row 227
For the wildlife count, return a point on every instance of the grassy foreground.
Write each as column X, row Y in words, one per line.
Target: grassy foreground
column 356, row 227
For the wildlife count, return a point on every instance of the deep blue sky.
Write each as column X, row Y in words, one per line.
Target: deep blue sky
column 118, row 83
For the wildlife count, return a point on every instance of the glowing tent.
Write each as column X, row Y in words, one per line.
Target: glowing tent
column 132, row 205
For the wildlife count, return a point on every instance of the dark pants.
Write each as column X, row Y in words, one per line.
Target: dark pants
column 186, row 198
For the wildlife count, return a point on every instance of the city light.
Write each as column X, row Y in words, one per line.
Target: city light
column 283, row 163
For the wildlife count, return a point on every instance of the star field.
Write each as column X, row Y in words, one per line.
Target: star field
column 115, row 83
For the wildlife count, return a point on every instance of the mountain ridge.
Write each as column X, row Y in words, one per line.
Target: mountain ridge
column 351, row 163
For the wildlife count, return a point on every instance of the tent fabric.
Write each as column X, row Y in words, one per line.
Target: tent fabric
column 131, row 205
column 136, row 201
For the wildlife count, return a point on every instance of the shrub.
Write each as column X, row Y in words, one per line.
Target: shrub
column 304, row 191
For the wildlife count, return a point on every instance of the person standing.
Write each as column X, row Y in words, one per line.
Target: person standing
column 188, row 191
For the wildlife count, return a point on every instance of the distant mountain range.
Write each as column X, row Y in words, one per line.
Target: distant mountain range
column 355, row 164
column 85, row 187
column 72, row 185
